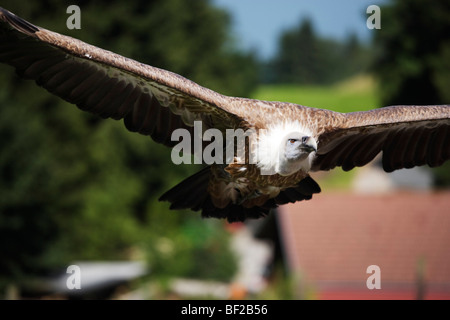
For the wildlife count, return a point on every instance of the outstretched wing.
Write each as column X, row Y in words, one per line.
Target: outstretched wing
column 151, row 101
column 408, row 136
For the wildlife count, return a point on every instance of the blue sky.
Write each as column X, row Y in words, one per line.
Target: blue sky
column 257, row 24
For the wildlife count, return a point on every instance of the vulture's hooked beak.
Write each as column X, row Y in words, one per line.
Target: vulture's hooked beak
column 308, row 144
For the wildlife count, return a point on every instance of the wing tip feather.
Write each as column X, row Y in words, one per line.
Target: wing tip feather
column 17, row 22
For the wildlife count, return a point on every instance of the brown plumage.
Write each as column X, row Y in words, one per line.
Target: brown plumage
column 156, row 102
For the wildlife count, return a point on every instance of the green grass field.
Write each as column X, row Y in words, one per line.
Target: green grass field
column 356, row 94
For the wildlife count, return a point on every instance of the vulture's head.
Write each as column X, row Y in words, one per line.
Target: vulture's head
column 285, row 148
column 296, row 151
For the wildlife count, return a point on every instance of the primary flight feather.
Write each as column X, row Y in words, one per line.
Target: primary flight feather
column 290, row 140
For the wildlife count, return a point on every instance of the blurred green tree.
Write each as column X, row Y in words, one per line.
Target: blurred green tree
column 413, row 49
column 298, row 56
column 413, row 57
column 75, row 187
column 305, row 58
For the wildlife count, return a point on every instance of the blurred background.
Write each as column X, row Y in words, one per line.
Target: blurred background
column 77, row 190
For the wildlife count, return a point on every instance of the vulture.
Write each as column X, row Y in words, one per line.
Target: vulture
column 271, row 167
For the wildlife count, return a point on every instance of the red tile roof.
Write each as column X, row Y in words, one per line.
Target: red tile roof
column 331, row 240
